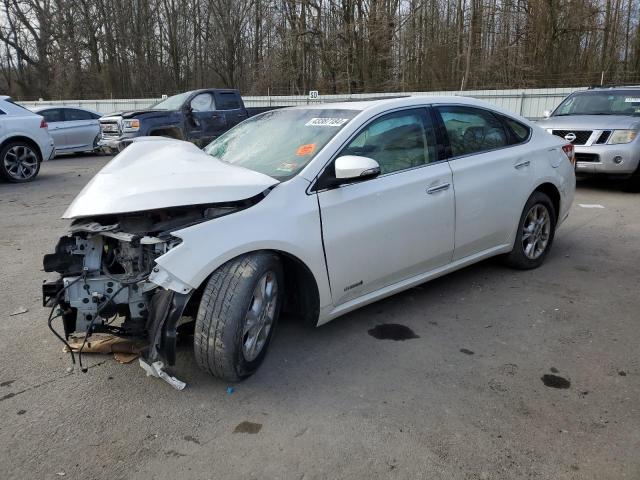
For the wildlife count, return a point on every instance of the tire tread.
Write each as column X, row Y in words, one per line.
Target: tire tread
column 222, row 300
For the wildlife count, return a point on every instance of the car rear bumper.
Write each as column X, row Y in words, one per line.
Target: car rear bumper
column 608, row 159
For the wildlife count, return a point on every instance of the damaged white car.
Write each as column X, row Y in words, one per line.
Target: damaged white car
column 316, row 210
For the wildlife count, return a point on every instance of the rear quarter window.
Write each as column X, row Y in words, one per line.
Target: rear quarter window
column 519, row 131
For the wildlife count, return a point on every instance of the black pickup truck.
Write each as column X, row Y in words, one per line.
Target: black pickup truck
column 198, row 116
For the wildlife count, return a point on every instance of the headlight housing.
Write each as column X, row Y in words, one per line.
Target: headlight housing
column 131, row 125
column 622, row 136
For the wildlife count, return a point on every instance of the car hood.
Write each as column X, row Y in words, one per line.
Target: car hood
column 135, row 113
column 161, row 174
column 590, row 122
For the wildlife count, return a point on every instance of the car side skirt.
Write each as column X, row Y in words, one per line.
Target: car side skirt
column 331, row 314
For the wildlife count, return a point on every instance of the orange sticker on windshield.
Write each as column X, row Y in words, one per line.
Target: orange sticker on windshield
column 307, row 149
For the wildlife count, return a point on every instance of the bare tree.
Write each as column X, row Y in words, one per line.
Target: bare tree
column 97, row 48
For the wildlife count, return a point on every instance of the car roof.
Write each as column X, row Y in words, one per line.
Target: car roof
column 12, row 108
column 49, row 107
column 608, row 89
column 381, row 105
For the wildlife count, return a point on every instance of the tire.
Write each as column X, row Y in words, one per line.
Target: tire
column 632, row 184
column 19, row 162
column 96, row 150
column 528, row 253
column 223, row 334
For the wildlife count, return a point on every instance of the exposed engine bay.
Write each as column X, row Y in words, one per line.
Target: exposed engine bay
column 106, row 285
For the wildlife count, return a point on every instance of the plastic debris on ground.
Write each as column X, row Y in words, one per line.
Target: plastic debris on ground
column 156, row 369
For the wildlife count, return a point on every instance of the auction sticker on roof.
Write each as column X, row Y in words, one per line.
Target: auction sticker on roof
column 326, row 122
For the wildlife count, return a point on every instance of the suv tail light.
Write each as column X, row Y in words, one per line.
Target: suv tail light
column 43, row 123
column 569, row 151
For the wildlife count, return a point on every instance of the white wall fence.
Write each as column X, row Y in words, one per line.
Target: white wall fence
column 530, row 103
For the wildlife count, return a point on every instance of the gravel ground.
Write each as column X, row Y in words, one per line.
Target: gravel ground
column 463, row 400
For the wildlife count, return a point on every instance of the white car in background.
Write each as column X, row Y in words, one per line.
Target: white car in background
column 314, row 210
column 24, row 142
column 73, row 129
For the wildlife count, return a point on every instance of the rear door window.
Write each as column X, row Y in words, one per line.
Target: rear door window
column 472, row 130
column 73, row 114
column 228, row 101
column 53, row 115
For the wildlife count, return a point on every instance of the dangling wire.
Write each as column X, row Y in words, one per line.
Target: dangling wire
column 52, row 318
column 49, row 322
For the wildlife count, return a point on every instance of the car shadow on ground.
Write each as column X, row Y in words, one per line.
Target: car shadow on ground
column 301, row 354
column 601, row 183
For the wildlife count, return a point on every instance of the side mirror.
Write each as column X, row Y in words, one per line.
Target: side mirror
column 546, row 113
column 353, row 167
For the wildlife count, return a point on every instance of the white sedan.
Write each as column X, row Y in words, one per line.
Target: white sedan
column 315, row 210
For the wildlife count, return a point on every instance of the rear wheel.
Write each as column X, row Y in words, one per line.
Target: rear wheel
column 19, row 162
column 238, row 314
column 535, row 235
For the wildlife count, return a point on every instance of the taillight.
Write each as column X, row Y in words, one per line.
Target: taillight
column 43, row 123
column 569, row 151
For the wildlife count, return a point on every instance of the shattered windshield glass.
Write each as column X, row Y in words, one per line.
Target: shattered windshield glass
column 280, row 143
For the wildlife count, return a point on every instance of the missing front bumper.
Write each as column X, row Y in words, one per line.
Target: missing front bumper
column 165, row 311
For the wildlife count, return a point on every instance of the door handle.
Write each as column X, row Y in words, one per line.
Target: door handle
column 439, row 188
column 520, row 165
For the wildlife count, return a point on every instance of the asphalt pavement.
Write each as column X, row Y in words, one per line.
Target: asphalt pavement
column 502, row 374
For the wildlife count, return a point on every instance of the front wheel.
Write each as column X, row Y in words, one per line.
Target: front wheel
column 96, row 149
column 238, row 314
column 632, row 184
column 536, row 231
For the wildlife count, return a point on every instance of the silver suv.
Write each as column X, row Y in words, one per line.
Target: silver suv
column 603, row 125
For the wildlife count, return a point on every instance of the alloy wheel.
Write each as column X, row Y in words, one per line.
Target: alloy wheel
column 260, row 316
column 536, row 231
column 21, row 162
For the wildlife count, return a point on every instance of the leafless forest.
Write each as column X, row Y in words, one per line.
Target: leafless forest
column 134, row 48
